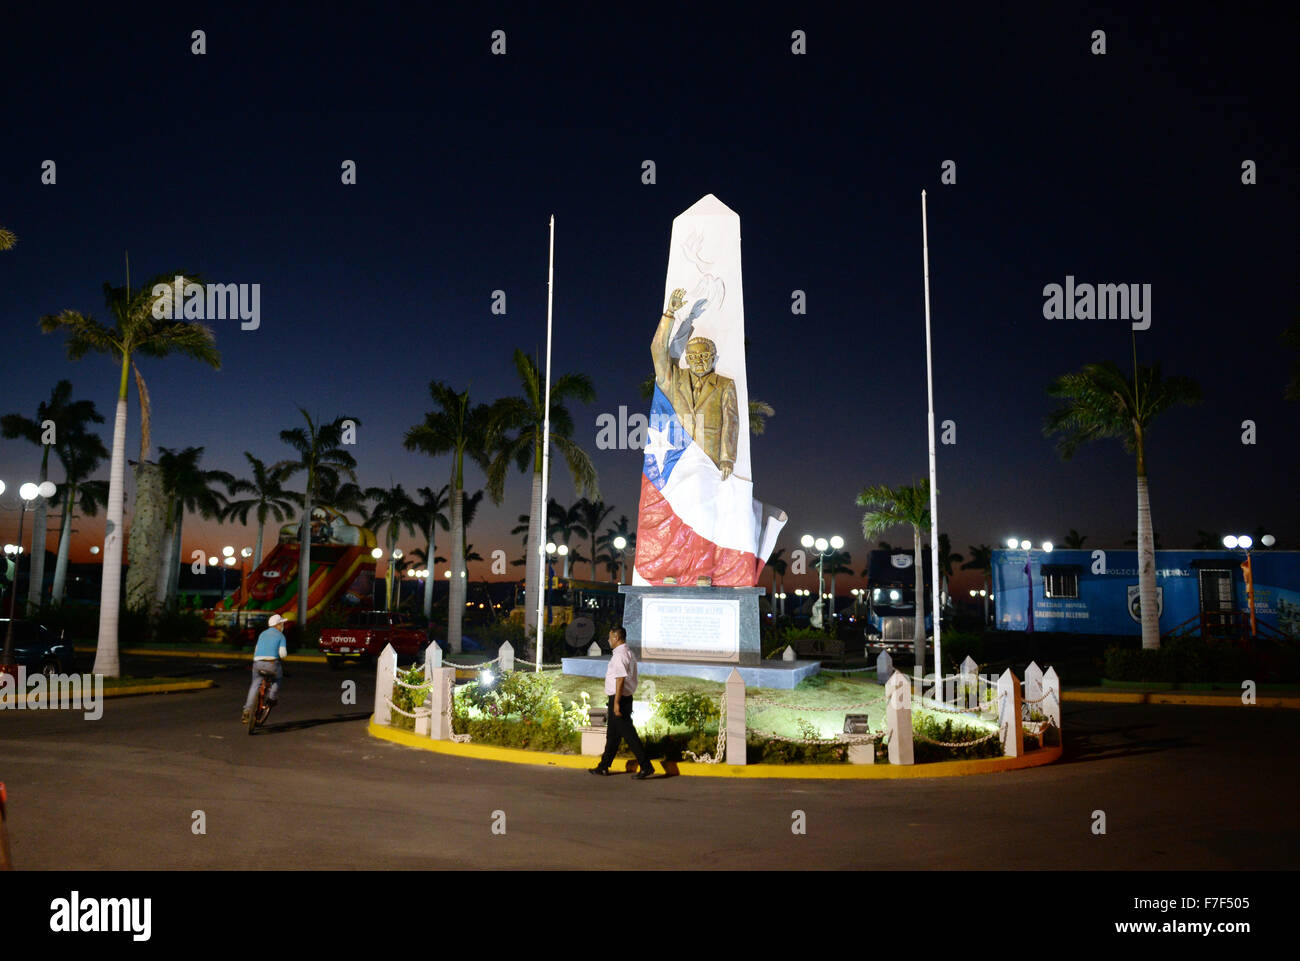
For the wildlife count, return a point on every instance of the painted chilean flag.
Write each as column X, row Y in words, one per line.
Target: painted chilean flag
column 691, row 522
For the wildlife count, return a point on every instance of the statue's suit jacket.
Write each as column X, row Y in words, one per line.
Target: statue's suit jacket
column 713, row 421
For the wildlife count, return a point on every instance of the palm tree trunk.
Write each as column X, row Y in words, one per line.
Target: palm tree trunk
column 532, row 576
column 593, row 555
column 168, row 558
column 65, row 535
column 36, row 583
column 456, row 589
column 304, row 556
column 428, row 581
column 147, row 539
column 1147, row 569
column 107, row 662
column 174, row 571
column 257, row 557
column 388, row 573
column 918, row 632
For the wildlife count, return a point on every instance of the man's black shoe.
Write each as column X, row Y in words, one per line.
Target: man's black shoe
column 643, row 773
column 599, row 770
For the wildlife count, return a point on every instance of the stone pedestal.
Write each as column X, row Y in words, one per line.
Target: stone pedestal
column 593, row 741
column 715, row 625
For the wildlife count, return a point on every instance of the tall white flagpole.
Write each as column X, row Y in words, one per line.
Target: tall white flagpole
column 934, row 485
column 542, row 577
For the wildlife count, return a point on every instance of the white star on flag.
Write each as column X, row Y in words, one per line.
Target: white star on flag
column 658, row 445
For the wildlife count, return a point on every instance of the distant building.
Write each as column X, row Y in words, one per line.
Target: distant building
column 1095, row 591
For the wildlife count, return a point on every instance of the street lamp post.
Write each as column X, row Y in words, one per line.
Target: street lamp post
column 552, row 550
column 394, row 581
column 1028, row 548
column 823, row 548
column 620, row 545
column 28, row 492
column 1244, row 542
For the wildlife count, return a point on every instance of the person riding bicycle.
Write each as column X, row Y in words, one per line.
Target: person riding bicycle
column 268, row 660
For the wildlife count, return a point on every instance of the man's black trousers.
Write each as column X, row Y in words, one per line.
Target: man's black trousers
column 620, row 729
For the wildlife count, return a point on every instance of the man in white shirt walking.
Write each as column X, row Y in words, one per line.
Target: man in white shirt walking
column 620, row 684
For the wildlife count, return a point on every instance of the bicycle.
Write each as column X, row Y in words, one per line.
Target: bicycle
column 262, row 708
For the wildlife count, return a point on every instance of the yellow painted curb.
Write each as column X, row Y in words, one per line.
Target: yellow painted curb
column 213, row 655
column 1175, row 697
column 167, row 688
column 847, row 772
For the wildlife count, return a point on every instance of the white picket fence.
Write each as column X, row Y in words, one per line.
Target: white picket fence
column 1039, row 691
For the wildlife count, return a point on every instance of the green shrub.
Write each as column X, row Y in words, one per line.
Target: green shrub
column 409, row 698
column 950, row 729
column 519, row 709
column 1179, row 660
column 689, row 709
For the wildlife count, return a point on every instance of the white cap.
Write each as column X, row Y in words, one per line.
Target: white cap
column 275, row 620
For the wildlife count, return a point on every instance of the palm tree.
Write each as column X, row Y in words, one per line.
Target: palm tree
column 592, row 514
column 1100, row 401
column 67, row 416
column 8, row 240
column 981, row 559
column 1074, row 540
column 136, row 332
column 566, row 523
column 612, row 533
column 432, row 509
column 778, row 565
column 837, row 562
column 323, row 460
column 393, row 509
column 461, row 430
column 947, row 558
column 268, row 498
column 524, row 415
column 889, row 507
column 187, row 488
column 80, row 453
column 345, row 496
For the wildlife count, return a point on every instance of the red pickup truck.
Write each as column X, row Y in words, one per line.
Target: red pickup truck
column 366, row 634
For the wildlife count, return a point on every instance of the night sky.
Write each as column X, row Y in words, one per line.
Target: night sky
column 1122, row 168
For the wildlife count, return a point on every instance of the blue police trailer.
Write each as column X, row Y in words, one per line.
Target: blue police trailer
column 1201, row 593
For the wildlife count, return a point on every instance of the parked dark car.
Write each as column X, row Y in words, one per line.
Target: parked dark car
column 37, row 648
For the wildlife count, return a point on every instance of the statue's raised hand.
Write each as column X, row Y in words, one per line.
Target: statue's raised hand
column 677, row 299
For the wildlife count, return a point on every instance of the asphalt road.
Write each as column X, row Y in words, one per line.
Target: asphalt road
column 1181, row 787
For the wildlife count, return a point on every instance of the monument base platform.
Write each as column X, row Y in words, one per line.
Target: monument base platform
column 784, row 675
column 709, row 624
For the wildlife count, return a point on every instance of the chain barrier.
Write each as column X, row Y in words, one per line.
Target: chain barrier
column 400, row 683
column 759, row 699
column 849, row 739
column 419, row 712
column 720, row 751
column 986, row 737
column 472, row 667
column 934, row 706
